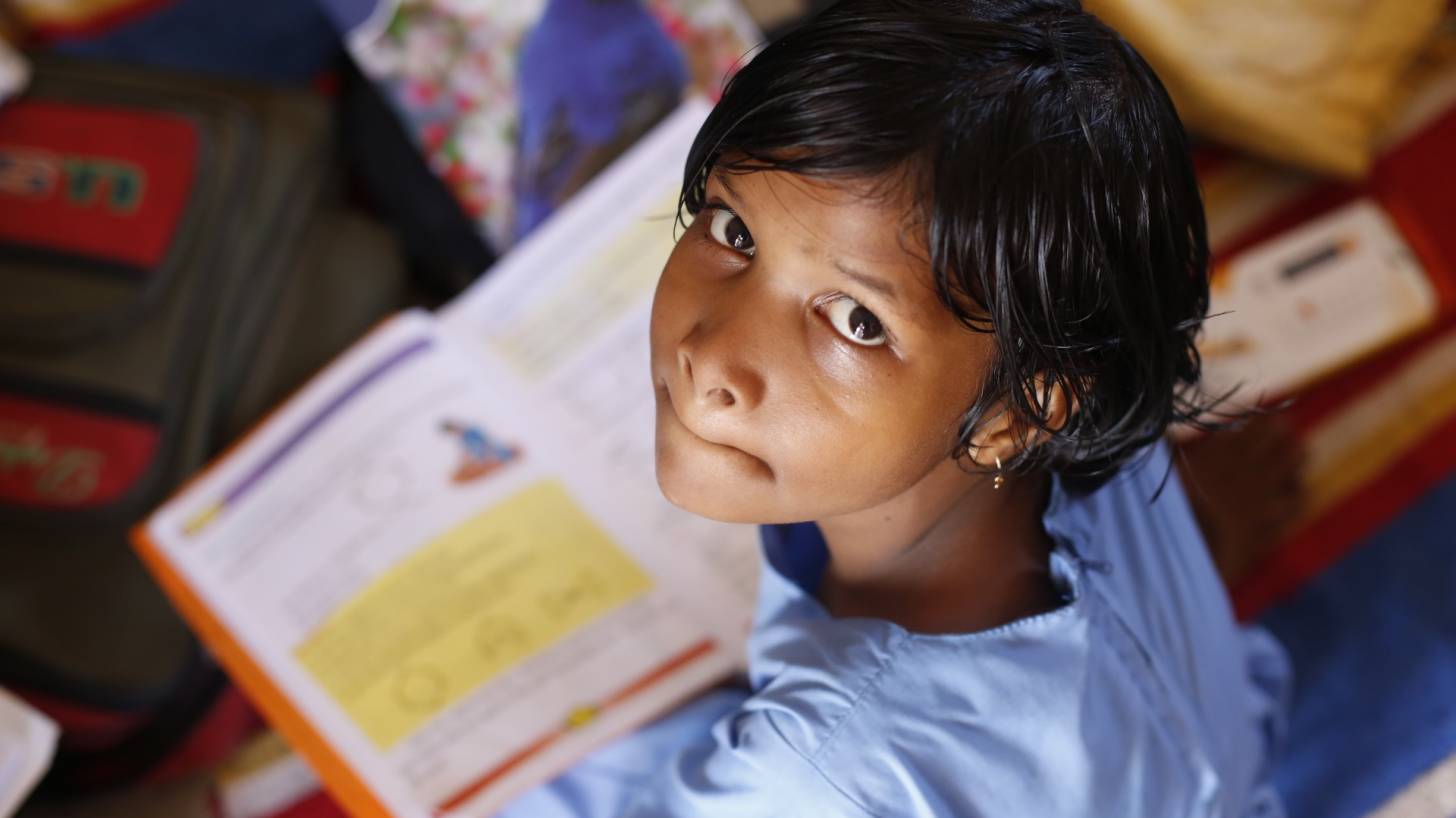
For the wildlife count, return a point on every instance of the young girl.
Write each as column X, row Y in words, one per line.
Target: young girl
column 938, row 295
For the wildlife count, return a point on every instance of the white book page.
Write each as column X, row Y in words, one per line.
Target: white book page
column 567, row 313
column 27, row 744
column 1292, row 309
column 420, row 557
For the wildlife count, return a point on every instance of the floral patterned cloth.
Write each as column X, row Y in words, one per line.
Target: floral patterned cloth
column 516, row 103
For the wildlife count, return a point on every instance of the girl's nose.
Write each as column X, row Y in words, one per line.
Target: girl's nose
column 716, row 364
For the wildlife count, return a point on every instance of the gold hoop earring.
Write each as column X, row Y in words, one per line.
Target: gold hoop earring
column 1000, row 479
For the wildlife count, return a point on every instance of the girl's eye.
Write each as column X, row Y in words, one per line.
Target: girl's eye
column 730, row 231
column 850, row 319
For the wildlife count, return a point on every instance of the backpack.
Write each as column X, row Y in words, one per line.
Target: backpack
column 175, row 257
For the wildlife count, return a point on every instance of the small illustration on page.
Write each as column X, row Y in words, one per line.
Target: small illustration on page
column 482, row 454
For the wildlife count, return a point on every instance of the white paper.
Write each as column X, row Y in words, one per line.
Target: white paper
column 27, row 744
column 1293, row 309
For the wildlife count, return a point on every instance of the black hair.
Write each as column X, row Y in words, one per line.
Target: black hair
column 1052, row 179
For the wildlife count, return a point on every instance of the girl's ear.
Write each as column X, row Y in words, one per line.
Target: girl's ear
column 1006, row 434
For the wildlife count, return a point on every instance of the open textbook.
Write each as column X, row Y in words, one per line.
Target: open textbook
column 443, row 569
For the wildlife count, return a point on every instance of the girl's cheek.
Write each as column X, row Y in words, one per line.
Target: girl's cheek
column 858, row 387
column 674, row 307
column 856, row 372
column 688, row 277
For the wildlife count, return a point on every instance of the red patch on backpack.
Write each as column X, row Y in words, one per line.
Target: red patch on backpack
column 59, row 456
column 103, row 183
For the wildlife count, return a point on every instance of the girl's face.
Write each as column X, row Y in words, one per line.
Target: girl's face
column 803, row 365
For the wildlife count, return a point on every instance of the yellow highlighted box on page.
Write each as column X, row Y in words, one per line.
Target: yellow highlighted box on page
column 497, row 589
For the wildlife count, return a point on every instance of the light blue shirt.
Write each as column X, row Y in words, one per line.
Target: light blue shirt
column 1140, row 696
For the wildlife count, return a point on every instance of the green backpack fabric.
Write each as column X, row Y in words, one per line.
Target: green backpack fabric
column 175, row 257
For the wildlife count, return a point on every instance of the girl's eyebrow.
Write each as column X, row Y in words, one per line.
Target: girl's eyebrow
column 722, row 178
column 879, row 285
column 885, row 288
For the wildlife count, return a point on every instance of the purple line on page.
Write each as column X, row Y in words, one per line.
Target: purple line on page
column 364, row 380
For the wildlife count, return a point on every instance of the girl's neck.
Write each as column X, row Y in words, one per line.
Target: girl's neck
column 952, row 555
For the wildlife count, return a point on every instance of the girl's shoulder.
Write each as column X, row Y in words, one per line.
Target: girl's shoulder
column 1030, row 718
column 1137, row 689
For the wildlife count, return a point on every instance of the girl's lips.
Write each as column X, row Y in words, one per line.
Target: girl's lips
column 665, row 396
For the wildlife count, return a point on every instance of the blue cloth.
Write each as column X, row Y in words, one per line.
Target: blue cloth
column 1138, row 697
column 592, row 74
column 279, row 41
column 1373, row 642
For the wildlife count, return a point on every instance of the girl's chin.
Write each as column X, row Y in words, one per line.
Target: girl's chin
column 728, row 496
column 688, row 489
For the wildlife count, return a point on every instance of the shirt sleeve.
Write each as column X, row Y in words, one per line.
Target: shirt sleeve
column 744, row 768
column 719, row 755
